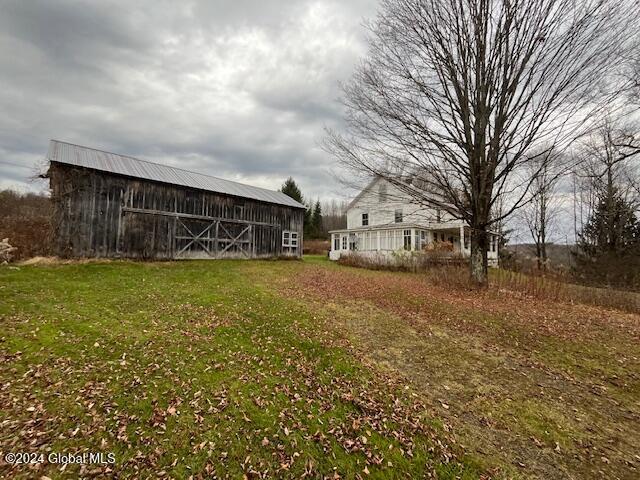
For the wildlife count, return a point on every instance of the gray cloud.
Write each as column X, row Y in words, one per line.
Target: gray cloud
column 239, row 89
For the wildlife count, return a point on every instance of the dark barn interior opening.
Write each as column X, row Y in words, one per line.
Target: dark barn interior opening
column 108, row 205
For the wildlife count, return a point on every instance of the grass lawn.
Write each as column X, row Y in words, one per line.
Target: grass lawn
column 289, row 369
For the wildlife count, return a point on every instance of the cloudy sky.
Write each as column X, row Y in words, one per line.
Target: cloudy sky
column 239, row 89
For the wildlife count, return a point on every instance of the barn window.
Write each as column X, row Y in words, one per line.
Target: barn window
column 398, row 216
column 407, row 239
column 365, row 219
column 238, row 211
column 289, row 239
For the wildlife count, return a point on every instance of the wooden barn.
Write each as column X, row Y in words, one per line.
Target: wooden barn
column 108, row 205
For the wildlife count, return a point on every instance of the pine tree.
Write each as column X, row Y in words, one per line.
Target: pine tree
column 612, row 228
column 316, row 221
column 290, row 187
column 609, row 245
column 308, row 230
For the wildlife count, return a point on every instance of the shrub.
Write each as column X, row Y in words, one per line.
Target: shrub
column 25, row 220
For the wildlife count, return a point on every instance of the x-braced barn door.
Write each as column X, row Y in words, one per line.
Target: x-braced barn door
column 212, row 239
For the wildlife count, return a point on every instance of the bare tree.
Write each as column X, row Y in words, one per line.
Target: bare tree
column 611, row 159
column 456, row 94
column 541, row 212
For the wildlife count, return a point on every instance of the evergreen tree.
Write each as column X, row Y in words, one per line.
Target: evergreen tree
column 290, row 187
column 308, row 230
column 316, row 221
column 609, row 245
column 612, row 228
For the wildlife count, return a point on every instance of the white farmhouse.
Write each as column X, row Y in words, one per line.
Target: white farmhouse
column 382, row 219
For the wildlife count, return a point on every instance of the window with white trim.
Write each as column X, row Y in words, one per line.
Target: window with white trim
column 365, row 219
column 407, row 240
column 336, row 242
column 398, row 216
column 289, row 239
column 344, row 242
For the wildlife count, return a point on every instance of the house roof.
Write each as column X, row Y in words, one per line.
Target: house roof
column 70, row 154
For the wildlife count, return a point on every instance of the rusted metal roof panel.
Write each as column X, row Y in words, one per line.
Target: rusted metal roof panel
column 80, row 156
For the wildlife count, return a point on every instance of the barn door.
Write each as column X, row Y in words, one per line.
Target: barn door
column 194, row 238
column 235, row 239
column 212, row 239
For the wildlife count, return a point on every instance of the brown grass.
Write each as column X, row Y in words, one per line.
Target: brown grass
column 453, row 272
column 545, row 389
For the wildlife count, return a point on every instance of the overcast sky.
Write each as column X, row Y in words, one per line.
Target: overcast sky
column 239, row 89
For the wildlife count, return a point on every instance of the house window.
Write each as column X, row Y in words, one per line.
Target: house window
column 365, row 219
column 336, row 242
column 407, row 239
column 466, row 242
column 493, row 243
column 438, row 216
column 423, row 239
column 398, row 216
column 344, row 243
column 289, row 239
column 382, row 192
column 353, row 242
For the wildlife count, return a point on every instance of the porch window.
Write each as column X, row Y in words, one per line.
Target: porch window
column 398, row 216
column 289, row 239
column 423, row 239
column 365, row 219
column 336, row 242
column 353, row 242
column 344, row 242
column 407, row 239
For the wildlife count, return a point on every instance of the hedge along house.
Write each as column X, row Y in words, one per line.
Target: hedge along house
column 109, row 205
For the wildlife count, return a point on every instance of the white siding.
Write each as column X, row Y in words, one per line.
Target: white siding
column 381, row 209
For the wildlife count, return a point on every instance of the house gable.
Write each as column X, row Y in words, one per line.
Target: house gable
column 382, row 203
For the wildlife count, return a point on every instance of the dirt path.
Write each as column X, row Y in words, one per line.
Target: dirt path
column 546, row 390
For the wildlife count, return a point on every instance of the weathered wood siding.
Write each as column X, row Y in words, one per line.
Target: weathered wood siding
column 97, row 214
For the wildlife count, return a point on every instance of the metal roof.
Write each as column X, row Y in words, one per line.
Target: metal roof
column 70, row 154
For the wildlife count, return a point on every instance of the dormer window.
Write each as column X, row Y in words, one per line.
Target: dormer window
column 398, row 216
column 365, row 219
column 382, row 192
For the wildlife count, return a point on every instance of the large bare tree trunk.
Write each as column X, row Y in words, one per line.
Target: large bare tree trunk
column 479, row 262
